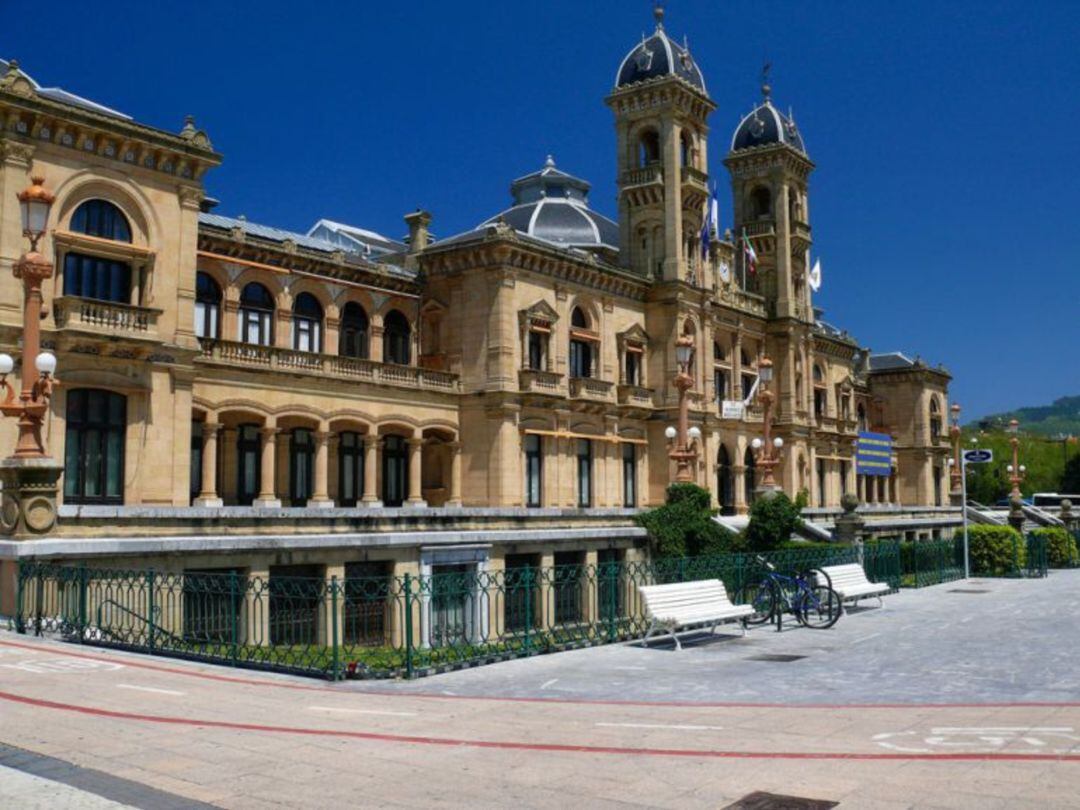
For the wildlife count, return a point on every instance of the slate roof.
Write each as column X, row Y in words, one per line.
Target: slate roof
column 766, row 125
column 66, row 97
column 658, row 57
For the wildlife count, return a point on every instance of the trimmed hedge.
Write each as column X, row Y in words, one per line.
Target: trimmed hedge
column 996, row 551
column 683, row 527
column 1061, row 551
column 772, row 522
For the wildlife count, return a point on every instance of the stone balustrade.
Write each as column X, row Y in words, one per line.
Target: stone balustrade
column 541, row 382
column 588, row 388
column 232, row 353
column 104, row 317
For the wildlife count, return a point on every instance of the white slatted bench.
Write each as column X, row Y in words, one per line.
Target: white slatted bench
column 850, row 583
column 688, row 605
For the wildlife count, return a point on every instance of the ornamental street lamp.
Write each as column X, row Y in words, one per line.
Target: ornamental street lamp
column 32, row 269
column 955, row 476
column 684, row 439
column 1016, row 470
column 29, row 476
column 767, row 451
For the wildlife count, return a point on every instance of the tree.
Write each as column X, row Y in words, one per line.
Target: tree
column 1070, row 479
column 683, row 527
column 772, row 522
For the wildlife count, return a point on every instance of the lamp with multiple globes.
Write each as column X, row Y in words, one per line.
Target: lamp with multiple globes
column 683, row 439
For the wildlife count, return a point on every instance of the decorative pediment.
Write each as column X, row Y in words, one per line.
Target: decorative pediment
column 635, row 334
column 541, row 312
column 433, row 307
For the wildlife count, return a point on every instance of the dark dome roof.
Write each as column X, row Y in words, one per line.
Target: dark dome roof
column 657, row 57
column 554, row 206
column 766, row 125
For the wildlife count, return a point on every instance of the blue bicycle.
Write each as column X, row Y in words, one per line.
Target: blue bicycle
column 815, row 605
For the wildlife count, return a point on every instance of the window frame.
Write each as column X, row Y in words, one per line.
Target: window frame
column 534, row 470
column 107, row 430
column 584, row 454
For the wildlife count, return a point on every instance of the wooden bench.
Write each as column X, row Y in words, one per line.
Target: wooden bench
column 850, row 583
column 688, row 605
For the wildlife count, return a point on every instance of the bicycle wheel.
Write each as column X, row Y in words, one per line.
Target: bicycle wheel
column 818, row 607
column 762, row 598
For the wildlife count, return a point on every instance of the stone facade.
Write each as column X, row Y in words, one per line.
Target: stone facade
column 505, row 367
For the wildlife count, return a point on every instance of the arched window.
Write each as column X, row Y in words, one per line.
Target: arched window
column 307, row 323
column 102, row 219
column 760, row 203
column 749, row 474
column 935, row 420
column 580, row 349
column 353, row 341
column 94, row 446
column 648, row 148
column 207, row 306
column 396, row 334
column 88, row 276
column 725, row 482
column 256, row 315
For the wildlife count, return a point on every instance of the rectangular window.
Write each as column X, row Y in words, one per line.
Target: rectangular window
column 720, row 388
column 633, row 368
column 206, row 320
column 629, row 475
column 306, row 335
column 255, row 327
column 537, row 341
column 747, row 384
column 819, row 402
column 569, row 584
column 213, row 604
column 534, row 470
column 301, row 463
column 247, row 464
column 584, row 470
column 843, row 477
column 94, row 446
column 580, row 359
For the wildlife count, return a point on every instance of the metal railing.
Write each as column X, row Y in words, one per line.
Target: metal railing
column 374, row 626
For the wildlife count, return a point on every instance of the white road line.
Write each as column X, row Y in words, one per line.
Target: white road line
column 661, row 725
column 636, row 668
column 148, row 689
column 546, row 684
column 361, row 711
column 865, row 638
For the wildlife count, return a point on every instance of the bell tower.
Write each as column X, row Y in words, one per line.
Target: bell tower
column 770, row 171
column 661, row 107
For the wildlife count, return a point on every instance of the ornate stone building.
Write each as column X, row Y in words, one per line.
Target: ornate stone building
column 208, row 364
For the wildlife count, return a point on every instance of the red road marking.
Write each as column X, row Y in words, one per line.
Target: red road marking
column 51, row 649
column 524, row 746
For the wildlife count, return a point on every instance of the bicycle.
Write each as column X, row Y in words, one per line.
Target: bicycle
column 814, row 605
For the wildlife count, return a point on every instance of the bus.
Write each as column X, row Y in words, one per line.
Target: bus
column 1053, row 499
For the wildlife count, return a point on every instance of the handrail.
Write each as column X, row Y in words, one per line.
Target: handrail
column 124, row 609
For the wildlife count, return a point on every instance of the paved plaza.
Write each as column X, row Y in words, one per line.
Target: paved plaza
column 960, row 695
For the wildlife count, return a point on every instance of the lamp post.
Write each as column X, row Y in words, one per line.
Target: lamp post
column 1016, row 472
column 684, row 447
column 767, row 450
column 955, row 474
column 29, row 475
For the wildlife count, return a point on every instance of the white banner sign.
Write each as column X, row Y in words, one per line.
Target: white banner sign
column 731, row 409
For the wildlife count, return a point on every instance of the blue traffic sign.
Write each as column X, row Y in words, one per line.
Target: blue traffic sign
column 978, row 456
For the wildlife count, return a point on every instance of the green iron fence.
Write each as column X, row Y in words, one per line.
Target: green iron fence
column 372, row 624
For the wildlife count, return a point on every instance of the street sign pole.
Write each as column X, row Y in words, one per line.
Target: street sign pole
column 964, row 507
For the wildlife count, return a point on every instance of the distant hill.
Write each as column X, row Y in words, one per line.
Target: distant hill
column 1062, row 417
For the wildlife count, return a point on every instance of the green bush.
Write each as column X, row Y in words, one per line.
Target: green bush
column 1061, row 551
column 683, row 527
column 772, row 522
column 996, row 551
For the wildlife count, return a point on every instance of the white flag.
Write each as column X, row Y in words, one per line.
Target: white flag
column 753, row 390
column 815, row 276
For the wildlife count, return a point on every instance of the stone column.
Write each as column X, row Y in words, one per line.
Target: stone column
column 455, row 474
column 268, row 469
column 416, row 446
column 371, row 471
column 208, row 496
column 320, row 498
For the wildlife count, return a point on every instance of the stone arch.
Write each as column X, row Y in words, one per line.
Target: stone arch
column 116, row 189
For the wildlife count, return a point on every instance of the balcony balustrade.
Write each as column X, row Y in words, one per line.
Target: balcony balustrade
column 635, row 395
column 588, row 388
column 246, row 355
column 644, row 176
column 105, row 317
column 539, row 382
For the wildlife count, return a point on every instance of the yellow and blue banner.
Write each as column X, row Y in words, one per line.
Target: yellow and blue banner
column 873, row 454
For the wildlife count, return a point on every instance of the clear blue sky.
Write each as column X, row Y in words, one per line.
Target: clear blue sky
column 947, row 139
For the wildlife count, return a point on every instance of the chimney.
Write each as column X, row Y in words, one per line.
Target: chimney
column 419, row 237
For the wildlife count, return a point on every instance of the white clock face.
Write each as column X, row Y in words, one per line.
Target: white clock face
column 725, row 271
